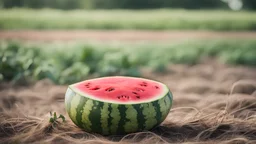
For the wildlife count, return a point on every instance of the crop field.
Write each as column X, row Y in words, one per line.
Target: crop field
column 67, row 63
column 213, row 83
column 163, row 19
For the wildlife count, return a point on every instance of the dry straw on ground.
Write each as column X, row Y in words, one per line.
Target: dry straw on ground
column 209, row 106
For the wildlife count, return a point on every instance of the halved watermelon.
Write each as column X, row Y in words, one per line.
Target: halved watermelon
column 118, row 105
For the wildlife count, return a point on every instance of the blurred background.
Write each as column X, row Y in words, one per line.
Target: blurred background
column 131, row 4
column 70, row 40
column 204, row 50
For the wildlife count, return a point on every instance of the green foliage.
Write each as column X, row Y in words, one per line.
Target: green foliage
column 246, row 56
column 53, row 119
column 59, row 4
column 162, row 19
column 127, row 4
column 250, row 4
column 45, row 70
column 112, row 62
column 1, row 77
column 72, row 63
column 75, row 72
column 91, row 57
column 17, row 63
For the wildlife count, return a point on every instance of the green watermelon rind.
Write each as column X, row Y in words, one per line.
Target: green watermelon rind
column 108, row 118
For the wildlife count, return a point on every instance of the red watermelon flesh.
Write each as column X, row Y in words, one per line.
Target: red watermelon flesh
column 121, row 89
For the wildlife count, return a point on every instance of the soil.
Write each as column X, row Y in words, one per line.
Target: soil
column 213, row 103
column 120, row 35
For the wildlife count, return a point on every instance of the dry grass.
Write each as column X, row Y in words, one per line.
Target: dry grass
column 214, row 127
column 212, row 111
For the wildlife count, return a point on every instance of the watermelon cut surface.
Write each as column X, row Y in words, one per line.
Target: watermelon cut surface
column 118, row 105
column 121, row 89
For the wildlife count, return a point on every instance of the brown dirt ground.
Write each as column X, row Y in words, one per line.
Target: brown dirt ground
column 213, row 103
column 120, row 35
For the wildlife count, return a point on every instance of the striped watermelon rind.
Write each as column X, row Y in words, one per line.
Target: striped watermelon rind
column 111, row 118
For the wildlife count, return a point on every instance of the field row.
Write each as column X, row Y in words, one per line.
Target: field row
column 70, row 62
column 162, row 19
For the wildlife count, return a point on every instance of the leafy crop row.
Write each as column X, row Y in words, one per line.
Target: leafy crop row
column 63, row 64
column 163, row 19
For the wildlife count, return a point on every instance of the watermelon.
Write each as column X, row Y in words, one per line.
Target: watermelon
column 118, row 104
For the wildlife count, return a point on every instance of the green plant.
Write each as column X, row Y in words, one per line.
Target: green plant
column 54, row 119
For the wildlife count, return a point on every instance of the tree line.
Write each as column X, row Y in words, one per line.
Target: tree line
column 122, row 4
